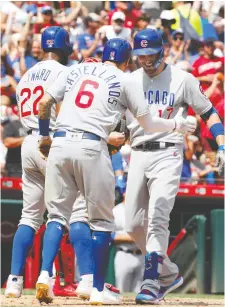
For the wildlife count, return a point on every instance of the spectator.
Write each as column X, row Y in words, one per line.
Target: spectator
column 210, row 171
column 12, row 16
column 131, row 13
column 189, row 149
column 207, row 65
column 91, row 40
column 178, row 51
column 117, row 29
column 47, row 20
column 142, row 22
column 129, row 262
column 29, row 56
column 182, row 10
column 13, row 136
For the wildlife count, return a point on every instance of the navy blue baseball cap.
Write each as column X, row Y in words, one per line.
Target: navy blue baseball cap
column 147, row 42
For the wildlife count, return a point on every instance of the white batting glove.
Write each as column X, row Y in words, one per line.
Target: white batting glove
column 220, row 159
column 184, row 125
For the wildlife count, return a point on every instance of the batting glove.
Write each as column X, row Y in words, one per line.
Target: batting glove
column 220, row 158
column 184, row 125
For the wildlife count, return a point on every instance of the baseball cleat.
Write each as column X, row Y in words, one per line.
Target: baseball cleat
column 97, row 297
column 44, row 291
column 67, row 290
column 163, row 291
column 111, row 295
column 146, row 297
column 14, row 286
column 84, row 288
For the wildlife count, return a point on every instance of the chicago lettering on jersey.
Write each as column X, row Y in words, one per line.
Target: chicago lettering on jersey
column 160, row 97
column 39, row 75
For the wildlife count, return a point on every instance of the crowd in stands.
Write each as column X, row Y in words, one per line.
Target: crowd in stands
column 193, row 35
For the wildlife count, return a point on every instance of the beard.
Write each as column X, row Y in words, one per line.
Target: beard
column 149, row 68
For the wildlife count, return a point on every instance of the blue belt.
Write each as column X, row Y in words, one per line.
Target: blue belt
column 86, row 135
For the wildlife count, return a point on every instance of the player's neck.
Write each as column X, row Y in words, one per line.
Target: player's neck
column 121, row 66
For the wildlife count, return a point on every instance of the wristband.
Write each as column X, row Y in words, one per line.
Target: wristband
column 207, row 115
column 221, row 147
column 217, row 129
column 113, row 234
column 44, row 126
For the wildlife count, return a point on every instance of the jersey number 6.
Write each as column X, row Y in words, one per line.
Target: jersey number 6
column 37, row 90
column 82, row 92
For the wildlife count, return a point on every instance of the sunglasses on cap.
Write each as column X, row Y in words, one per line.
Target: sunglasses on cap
column 178, row 38
column 119, row 20
column 47, row 13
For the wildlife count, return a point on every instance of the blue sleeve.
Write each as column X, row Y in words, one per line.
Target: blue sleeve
column 117, row 162
column 81, row 42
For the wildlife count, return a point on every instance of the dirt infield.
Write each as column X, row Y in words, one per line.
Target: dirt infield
column 29, row 301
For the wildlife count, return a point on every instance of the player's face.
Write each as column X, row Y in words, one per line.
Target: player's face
column 147, row 62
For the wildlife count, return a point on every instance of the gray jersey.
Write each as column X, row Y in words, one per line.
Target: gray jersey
column 96, row 95
column 165, row 94
column 31, row 89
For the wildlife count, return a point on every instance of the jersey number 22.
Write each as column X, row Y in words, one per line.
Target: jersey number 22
column 39, row 91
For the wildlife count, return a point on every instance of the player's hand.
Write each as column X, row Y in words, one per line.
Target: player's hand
column 220, row 158
column 184, row 125
column 116, row 138
column 44, row 146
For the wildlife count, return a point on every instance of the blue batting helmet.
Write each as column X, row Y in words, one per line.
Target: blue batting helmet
column 56, row 38
column 148, row 42
column 117, row 50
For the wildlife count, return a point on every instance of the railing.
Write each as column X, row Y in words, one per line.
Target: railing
column 185, row 189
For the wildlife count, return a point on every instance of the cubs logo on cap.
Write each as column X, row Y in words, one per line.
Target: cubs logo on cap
column 144, row 43
column 50, row 43
column 112, row 55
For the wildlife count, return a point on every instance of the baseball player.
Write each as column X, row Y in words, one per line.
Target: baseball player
column 156, row 161
column 95, row 97
column 30, row 90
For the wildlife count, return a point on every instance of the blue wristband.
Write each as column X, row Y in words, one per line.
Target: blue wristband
column 44, row 126
column 221, row 147
column 113, row 234
column 217, row 129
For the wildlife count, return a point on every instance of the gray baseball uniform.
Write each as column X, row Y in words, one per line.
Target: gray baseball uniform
column 154, row 176
column 96, row 96
column 29, row 92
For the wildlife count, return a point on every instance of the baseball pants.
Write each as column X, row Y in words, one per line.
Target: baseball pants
column 33, row 183
column 153, row 182
column 83, row 165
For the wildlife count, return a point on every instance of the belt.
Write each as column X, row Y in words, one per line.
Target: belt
column 36, row 132
column 148, row 146
column 130, row 251
column 86, row 135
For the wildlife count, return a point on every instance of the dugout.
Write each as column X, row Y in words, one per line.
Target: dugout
column 192, row 200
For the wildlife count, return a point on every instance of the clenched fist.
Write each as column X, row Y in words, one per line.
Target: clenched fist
column 44, row 146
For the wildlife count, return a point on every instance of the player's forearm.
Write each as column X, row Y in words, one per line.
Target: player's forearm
column 123, row 238
column 216, row 127
column 45, row 105
column 12, row 142
column 44, row 114
column 155, row 124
